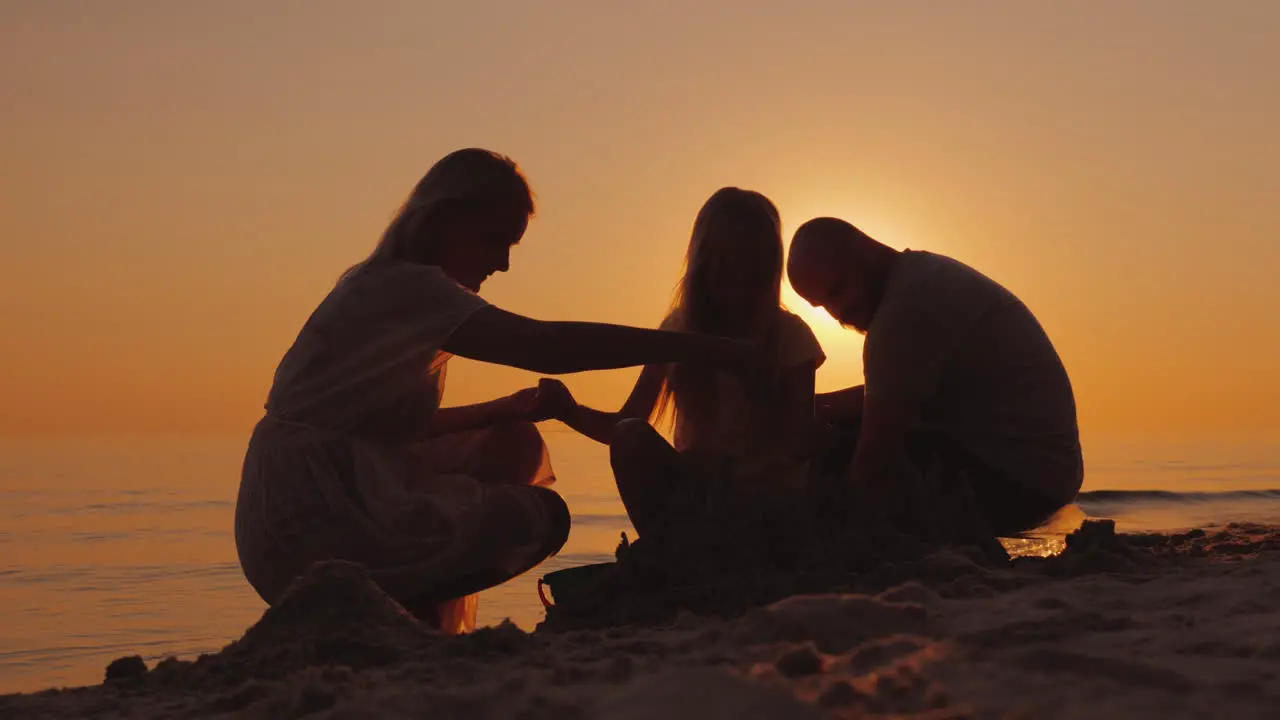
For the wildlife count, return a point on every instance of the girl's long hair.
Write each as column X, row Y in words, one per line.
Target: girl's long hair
column 732, row 220
column 471, row 178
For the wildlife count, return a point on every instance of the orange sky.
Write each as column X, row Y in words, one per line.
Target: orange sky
column 182, row 182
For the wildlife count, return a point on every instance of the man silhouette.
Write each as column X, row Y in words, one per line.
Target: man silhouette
column 960, row 378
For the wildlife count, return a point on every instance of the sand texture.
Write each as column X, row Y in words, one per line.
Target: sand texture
column 1131, row 626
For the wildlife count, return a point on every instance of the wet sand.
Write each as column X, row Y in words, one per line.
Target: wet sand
column 1130, row 626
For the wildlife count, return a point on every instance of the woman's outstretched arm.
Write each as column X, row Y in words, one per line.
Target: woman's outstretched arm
column 496, row 336
column 598, row 424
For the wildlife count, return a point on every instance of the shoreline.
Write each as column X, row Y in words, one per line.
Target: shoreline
column 1134, row 626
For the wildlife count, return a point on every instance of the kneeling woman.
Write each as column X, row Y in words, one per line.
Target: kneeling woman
column 356, row 460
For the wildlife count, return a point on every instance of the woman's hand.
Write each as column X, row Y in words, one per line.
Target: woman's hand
column 549, row 400
column 555, row 399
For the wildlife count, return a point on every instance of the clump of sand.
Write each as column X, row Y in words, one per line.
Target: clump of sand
column 1118, row 626
column 333, row 615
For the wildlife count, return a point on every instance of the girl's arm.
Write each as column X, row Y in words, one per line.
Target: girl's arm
column 598, row 424
column 554, row 348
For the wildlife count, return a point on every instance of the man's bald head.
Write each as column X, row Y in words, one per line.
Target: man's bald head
column 836, row 266
column 822, row 241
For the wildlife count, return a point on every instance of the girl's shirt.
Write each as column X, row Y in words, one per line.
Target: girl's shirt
column 744, row 427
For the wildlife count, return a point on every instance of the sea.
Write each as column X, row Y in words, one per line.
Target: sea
column 122, row 546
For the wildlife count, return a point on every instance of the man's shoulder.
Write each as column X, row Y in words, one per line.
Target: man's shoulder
column 911, row 284
column 934, row 279
column 929, row 293
column 924, row 263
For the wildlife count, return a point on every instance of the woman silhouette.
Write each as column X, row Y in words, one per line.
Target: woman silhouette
column 356, row 460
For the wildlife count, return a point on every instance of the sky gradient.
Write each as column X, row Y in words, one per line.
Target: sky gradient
column 182, row 182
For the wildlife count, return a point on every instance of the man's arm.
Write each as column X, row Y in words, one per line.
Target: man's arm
column 797, row 409
column 903, row 363
column 882, row 446
column 839, row 406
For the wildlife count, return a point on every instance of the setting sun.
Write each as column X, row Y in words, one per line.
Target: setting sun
column 843, row 347
column 824, row 326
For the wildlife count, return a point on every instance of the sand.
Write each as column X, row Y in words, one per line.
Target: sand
column 1136, row 626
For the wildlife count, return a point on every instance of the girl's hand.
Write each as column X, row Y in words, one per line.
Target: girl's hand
column 549, row 400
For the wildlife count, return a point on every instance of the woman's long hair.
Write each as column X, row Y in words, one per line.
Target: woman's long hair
column 464, row 179
column 731, row 221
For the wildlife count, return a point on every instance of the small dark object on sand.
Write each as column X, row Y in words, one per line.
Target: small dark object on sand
column 1094, row 534
column 570, row 582
column 128, row 668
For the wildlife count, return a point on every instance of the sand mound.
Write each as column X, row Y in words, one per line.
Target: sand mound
column 333, row 599
column 333, row 616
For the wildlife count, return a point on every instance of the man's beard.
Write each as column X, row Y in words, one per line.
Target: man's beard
column 851, row 326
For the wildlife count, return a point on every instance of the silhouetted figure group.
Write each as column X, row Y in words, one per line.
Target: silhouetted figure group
column 356, row 459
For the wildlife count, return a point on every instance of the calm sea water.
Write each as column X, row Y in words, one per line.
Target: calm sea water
column 116, row 547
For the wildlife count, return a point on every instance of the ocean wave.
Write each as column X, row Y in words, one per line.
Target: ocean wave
column 1170, row 496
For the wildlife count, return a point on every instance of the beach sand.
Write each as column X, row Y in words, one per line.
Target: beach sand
column 1152, row 626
